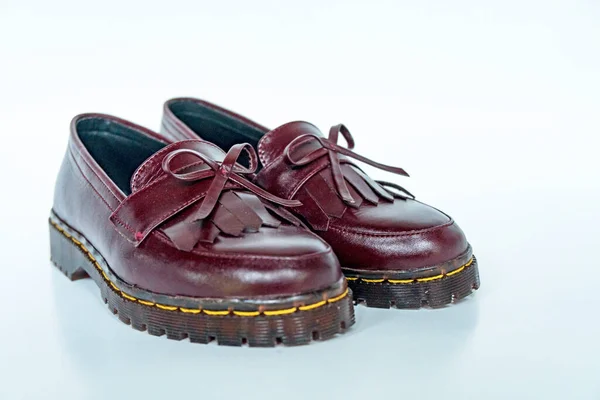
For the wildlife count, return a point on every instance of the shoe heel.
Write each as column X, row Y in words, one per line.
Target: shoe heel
column 66, row 253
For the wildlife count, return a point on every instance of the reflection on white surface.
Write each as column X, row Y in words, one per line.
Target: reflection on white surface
column 492, row 109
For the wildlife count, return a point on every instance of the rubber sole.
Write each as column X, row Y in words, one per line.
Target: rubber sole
column 433, row 290
column 291, row 324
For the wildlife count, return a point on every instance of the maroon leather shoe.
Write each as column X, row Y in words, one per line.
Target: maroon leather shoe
column 394, row 250
column 180, row 242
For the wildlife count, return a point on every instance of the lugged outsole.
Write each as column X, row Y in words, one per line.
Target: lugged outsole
column 433, row 293
column 70, row 254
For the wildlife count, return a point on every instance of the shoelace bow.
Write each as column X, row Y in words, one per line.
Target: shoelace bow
column 222, row 172
column 330, row 148
column 222, row 208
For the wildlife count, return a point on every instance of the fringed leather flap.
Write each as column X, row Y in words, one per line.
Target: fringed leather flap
column 322, row 176
column 193, row 192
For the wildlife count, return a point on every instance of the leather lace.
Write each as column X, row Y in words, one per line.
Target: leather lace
column 222, row 172
column 330, row 148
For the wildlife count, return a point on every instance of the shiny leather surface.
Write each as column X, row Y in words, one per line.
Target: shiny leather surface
column 273, row 261
column 379, row 229
column 195, row 194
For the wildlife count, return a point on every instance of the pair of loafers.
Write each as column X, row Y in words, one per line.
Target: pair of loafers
column 219, row 229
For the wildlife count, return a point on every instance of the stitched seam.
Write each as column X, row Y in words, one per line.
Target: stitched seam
column 154, row 160
column 276, row 159
column 414, row 280
column 154, row 157
column 251, row 156
column 82, row 175
column 194, row 164
column 193, row 310
column 267, row 137
column 382, row 234
column 92, row 171
column 157, row 221
column 157, row 174
column 160, row 236
column 137, row 193
column 261, row 151
column 123, row 224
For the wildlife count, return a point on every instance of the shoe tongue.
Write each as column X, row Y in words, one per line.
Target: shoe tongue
column 151, row 169
column 272, row 144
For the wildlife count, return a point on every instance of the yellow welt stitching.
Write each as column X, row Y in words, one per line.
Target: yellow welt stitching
column 430, row 278
column 338, row 298
column 351, row 278
column 247, row 313
column 456, row 271
column 104, row 275
column 197, row 311
column 400, row 280
column 312, row 306
column 163, row 307
column 408, row 281
column 281, row 312
column 209, row 312
column 190, row 310
column 128, row 297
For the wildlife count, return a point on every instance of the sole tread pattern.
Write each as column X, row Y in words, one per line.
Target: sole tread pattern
column 289, row 329
column 435, row 293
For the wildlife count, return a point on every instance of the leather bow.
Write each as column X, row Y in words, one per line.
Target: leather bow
column 228, row 169
column 189, row 212
column 330, row 148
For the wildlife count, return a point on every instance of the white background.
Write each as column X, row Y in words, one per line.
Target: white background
column 493, row 110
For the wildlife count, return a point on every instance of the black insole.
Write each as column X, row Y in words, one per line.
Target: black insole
column 117, row 148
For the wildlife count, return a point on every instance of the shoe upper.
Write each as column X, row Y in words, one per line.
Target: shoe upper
column 371, row 225
column 182, row 218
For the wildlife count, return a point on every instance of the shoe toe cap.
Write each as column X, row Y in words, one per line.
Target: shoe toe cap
column 400, row 236
column 270, row 263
